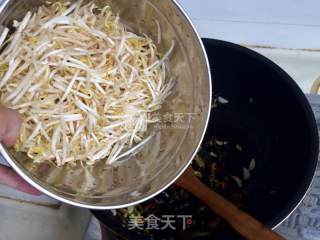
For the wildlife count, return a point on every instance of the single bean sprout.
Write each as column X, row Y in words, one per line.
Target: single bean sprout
column 84, row 85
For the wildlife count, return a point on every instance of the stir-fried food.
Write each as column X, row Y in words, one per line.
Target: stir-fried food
column 83, row 83
column 223, row 165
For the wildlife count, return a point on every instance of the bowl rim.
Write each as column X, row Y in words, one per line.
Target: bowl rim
column 36, row 185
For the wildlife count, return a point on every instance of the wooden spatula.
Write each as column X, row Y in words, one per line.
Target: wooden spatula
column 249, row 227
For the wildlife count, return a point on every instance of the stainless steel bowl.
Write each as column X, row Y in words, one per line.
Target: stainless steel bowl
column 162, row 161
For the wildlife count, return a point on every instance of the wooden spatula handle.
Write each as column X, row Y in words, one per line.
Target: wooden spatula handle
column 243, row 223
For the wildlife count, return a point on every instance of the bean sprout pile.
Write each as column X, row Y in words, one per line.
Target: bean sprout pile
column 82, row 82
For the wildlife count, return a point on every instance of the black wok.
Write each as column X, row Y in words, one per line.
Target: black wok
column 268, row 113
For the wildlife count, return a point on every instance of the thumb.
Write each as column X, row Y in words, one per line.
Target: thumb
column 10, row 123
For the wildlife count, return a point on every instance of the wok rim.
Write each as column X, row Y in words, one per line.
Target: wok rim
column 313, row 148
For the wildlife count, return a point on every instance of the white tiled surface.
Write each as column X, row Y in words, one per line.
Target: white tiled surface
column 280, row 23
column 302, row 66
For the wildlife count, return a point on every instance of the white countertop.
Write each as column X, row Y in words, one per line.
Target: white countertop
column 284, row 23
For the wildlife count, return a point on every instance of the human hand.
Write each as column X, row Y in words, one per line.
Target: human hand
column 10, row 123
